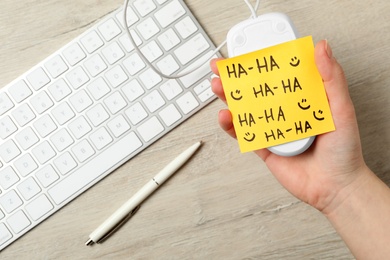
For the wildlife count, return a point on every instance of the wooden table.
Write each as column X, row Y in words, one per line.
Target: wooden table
column 222, row 204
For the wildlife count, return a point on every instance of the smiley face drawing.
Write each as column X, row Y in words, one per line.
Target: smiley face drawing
column 318, row 118
column 301, row 106
column 250, row 139
column 295, row 62
column 238, row 92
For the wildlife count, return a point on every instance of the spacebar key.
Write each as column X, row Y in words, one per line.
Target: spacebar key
column 99, row 166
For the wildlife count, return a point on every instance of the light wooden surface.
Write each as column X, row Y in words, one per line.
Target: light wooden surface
column 222, row 204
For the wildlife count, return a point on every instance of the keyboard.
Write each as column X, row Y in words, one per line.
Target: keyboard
column 92, row 105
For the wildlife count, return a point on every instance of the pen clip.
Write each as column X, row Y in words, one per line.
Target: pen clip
column 119, row 225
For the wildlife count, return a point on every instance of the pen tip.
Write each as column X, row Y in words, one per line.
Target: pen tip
column 89, row 242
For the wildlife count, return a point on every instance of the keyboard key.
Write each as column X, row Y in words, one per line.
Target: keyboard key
column 113, row 53
column 95, row 65
column 206, row 95
column 134, row 64
column 80, row 101
column 136, row 113
column 171, row 89
column 98, row 88
column 10, row 201
column 43, row 152
column 115, row 102
column 8, row 151
column 132, row 18
column 169, row 13
column 109, row 29
column 144, row 7
column 7, row 127
column 74, row 54
column 187, row 102
column 38, row 78
column 97, row 115
column 65, row 163
column 59, row 90
column 150, row 78
column 92, row 41
column 95, row 168
column 150, row 129
column 148, row 28
column 56, row 66
column 19, row 91
column 168, row 65
column 61, row 140
column 79, row 127
column 151, row 51
column 5, row 103
column 127, row 44
column 39, row 207
column 201, row 87
column 170, row 115
column 62, row 113
column 77, row 77
column 153, row 101
column 18, row 222
column 116, row 76
column 5, row 234
column 186, row 27
column 41, row 102
column 191, row 49
column 199, row 73
column 168, row 39
column 83, row 150
column 8, row 177
column 28, row 188
column 118, row 126
column 25, row 165
column 133, row 90
column 47, row 176
column 45, row 125
column 26, row 138
column 101, row 138
column 23, row 114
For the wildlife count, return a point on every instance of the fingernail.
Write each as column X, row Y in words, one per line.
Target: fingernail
column 328, row 50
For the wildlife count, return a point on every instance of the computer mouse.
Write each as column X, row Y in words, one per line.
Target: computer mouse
column 261, row 32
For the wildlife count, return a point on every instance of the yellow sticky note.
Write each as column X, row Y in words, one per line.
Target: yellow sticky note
column 276, row 95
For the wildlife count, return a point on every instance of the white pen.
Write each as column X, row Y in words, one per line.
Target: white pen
column 128, row 209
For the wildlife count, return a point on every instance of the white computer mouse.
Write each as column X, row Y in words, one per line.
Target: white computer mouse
column 262, row 32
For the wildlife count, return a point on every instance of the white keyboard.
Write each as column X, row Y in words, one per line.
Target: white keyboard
column 94, row 104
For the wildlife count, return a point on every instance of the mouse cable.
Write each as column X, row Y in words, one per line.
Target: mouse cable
column 253, row 10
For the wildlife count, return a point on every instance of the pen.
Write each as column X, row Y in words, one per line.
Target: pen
column 119, row 217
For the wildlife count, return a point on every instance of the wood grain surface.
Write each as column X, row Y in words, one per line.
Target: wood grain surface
column 222, row 204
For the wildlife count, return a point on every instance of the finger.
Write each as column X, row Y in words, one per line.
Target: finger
column 226, row 122
column 213, row 65
column 263, row 154
column 334, row 79
column 217, row 88
column 340, row 103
